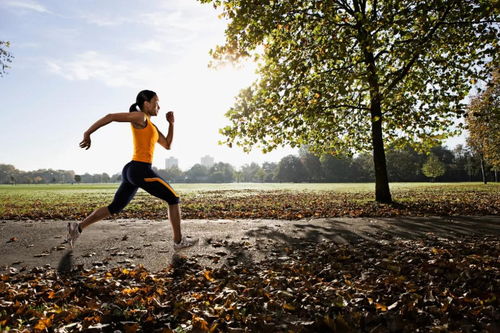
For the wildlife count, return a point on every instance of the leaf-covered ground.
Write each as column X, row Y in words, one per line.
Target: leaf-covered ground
column 393, row 285
column 269, row 204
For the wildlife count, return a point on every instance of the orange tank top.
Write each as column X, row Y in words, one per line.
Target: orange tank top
column 144, row 142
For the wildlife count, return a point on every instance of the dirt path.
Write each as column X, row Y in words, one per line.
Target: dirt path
column 28, row 244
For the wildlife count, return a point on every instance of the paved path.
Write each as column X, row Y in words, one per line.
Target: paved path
column 28, row 244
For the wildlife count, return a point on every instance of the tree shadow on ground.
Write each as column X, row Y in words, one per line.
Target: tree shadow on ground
column 446, row 227
column 338, row 231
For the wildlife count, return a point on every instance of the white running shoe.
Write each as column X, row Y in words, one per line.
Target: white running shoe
column 73, row 233
column 185, row 243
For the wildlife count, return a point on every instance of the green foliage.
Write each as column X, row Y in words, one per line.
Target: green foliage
column 5, row 57
column 218, row 173
column 221, row 173
column 291, row 169
column 312, row 164
column 270, row 170
column 197, row 173
column 404, row 165
column 364, row 164
column 173, row 174
column 252, row 173
column 337, row 168
column 316, row 84
column 483, row 122
column 433, row 167
column 8, row 173
column 349, row 76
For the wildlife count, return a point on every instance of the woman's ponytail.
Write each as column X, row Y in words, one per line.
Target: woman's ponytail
column 143, row 96
column 133, row 108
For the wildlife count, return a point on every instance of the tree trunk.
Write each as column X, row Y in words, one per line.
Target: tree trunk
column 382, row 191
column 482, row 171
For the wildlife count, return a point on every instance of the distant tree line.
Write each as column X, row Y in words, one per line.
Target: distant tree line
column 10, row 175
column 407, row 165
column 440, row 164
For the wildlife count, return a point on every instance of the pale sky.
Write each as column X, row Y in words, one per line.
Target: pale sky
column 75, row 61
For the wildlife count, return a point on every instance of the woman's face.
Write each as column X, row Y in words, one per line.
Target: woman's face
column 152, row 107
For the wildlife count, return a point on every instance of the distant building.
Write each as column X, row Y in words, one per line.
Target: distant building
column 171, row 162
column 207, row 161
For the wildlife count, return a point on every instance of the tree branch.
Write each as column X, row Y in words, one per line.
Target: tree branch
column 379, row 54
column 374, row 11
column 363, row 7
column 345, row 6
column 404, row 71
column 357, row 8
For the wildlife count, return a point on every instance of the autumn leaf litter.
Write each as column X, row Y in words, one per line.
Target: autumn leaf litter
column 389, row 285
column 256, row 204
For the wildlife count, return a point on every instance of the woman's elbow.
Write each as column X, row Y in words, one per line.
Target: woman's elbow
column 165, row 145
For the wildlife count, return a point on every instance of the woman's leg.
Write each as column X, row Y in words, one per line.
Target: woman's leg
column 155, row 185
column 97, row 215
column 123, row 196
column 75, row 228
column 159, row 188
column 174, row 215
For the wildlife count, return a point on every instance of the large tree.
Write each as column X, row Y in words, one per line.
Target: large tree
column 483, row 123
column 350, row 75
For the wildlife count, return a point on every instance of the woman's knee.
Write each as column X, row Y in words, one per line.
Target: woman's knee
column 115, row 208
column 172, row 201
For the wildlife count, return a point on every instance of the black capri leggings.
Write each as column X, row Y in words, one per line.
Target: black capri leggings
column 139, row 174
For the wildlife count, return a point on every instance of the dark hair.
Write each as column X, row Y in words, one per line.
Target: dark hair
column 143, row 96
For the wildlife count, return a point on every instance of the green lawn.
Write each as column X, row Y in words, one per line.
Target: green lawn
column 186, row 188
column 252, row 200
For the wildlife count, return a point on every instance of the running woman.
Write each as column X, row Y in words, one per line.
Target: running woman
column 138, row 172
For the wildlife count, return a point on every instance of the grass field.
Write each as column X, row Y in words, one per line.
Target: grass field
column 187, row 188
column 254, row 200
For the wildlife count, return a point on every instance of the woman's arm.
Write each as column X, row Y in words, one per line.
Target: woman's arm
column 131, row 117
column 166, row 141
